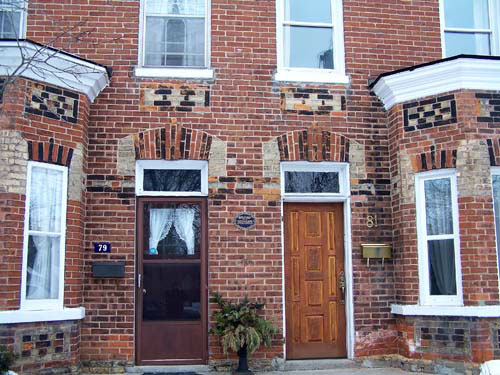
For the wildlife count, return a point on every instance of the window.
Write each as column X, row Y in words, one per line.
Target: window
column 310, row 41
column 175, row 178
column 44, row 237
column 303, row 180
column 495, row 179
column 12, row 19
column 469, row 27
column 438, row 238
column 174, row 35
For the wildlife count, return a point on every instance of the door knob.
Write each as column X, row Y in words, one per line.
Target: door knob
column 342, row 286
column 144, row 291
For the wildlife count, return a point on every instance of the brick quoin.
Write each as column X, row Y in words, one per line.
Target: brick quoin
column 242, row 111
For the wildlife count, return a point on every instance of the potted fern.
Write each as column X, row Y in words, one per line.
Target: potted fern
column 241, row 329
column 6, row 360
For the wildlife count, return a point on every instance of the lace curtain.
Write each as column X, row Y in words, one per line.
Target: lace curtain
column 44, row 217
column 161, row 221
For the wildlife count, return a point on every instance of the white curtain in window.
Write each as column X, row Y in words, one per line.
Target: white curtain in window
column 480, row 22
column 44, row 217
column 160, row 222
column 184, row 218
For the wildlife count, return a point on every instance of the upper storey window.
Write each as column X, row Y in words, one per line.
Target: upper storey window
column 310, row 41
column 175, row 38
column 470, row 27
column 12, row 19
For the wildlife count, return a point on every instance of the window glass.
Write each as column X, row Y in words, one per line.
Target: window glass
column 470, row 14
column 303, row 11
column 175, row 33
column 467, row 43
column 10, row 18
column 442, row 278
column 172, row 180
column 438, row 210
column 311, row 182
column 174, row 230
column 308, row 47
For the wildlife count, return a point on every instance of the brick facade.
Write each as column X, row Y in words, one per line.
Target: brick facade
column 245, row 124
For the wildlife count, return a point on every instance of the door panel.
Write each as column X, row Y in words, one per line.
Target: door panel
column 314, row 262
column 171, row 281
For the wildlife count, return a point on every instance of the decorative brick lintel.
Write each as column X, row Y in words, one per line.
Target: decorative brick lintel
column 434, row 159
column 48, row 152
column 429, row 113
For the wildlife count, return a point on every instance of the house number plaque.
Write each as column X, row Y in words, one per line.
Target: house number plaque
column 102, row 247
column 245, row 220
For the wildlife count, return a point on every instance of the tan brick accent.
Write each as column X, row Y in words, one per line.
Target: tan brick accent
column 172, row 97
column 309, row 101
column 473, row 169
column 77, row 177
column 13, row 161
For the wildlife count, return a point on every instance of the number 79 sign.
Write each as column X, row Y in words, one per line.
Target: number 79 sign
column 102, row 247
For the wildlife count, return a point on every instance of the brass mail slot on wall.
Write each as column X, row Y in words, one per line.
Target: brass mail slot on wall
column 377, row 250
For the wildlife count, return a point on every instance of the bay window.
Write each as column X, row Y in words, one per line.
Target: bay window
column 44, row 237
column 438, row 238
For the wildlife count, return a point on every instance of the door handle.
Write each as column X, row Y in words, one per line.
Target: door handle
column 342, row 287
column 144, row 291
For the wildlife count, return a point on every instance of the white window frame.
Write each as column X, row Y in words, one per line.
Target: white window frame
column 44, row 304
column 336, row 75
column 142, row 70
column 495, row 171
column 494, row 30
column 200, row 165
column 22, row 24
column 423, row 256
column 306, row 166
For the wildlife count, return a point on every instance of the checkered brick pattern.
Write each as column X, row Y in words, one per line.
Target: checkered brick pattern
column 429, row 113
column 171, row 97
column 52, row 102
column 309, row 101
column 489, row 107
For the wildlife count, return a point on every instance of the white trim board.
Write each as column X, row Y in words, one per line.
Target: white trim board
column 437, row 78
column 44, row 64
column 23, row 316
column 467, row 311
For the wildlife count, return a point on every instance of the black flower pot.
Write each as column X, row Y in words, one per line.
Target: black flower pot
column 242, row 362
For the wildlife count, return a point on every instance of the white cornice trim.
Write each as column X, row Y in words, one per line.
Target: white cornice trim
column 438, row 78
column 41, row 63
column 468, row 311
column 27, row 316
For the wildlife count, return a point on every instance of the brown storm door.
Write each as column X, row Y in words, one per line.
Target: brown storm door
column 315, row 281
column 171, row 281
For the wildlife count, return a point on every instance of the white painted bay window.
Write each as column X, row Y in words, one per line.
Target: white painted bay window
column 310, row 41
column 44, row 237
column 174, row 38
column 438, row 238
column 470, row 27
column 12, row 19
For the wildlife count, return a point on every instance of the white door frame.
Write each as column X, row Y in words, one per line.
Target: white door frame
column 343, row 196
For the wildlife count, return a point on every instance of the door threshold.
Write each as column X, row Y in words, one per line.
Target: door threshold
column 319, row 364
column 168, row 369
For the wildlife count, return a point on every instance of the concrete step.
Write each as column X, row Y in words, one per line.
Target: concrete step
column 319, row 364
column 179, row 369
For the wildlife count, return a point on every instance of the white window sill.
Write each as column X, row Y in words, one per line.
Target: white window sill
column 467, row 311
column 178, row 73
column 26, row 316
column 311, row 75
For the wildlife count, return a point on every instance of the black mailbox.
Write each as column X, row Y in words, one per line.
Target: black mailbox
column 108, row 269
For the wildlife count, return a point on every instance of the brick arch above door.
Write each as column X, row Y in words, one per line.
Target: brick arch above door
column 314, row 145
column 173, row 142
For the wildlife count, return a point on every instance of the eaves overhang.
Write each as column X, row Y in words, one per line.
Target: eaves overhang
column 39, row 62
column 462, row 72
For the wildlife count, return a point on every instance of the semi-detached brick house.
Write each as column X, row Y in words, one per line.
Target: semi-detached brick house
column 254, row 148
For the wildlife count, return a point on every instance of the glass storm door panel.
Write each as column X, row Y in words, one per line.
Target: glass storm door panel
column 171, row 281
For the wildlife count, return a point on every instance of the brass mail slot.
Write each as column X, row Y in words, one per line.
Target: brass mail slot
column 377, row 250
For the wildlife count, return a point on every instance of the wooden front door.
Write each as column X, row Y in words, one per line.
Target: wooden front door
column 315, row 281
column 171, row 301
